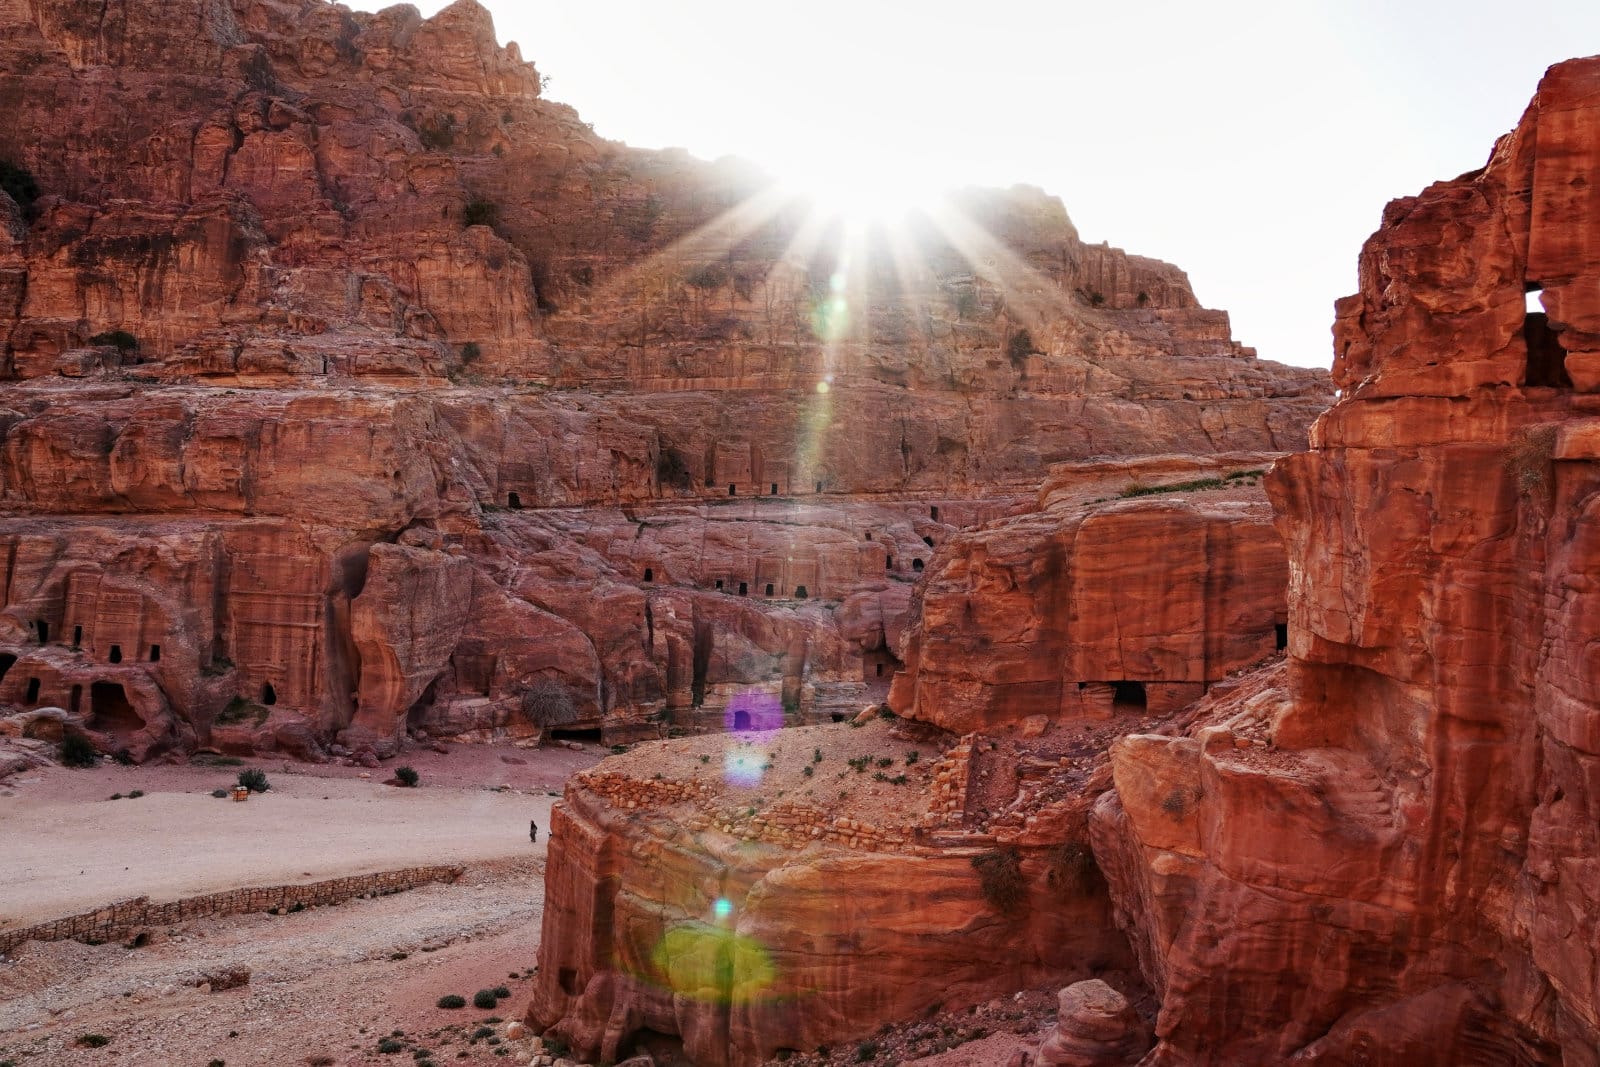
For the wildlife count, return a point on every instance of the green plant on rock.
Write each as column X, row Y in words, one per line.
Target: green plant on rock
column 254, row 779
column 1000, row 879
column 77, row 751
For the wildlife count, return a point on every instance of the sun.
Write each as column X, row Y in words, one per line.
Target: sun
column 864, row 186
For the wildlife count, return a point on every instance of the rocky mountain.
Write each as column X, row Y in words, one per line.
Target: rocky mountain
column 355, row 388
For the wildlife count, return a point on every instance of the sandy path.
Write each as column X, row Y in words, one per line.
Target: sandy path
column 65, row 848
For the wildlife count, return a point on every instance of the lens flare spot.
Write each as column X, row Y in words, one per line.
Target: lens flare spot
column 743, row 766
column 723, row 908
column 752, row 711
column 712, row 964
column 823, row 387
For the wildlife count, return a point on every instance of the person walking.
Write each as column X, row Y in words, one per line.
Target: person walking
column 533, row 831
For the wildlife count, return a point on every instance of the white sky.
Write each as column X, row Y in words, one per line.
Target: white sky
column 1251, row 142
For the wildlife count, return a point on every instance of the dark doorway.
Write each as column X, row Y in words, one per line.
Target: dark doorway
column 33, row 692
column 741, row 720
column 819, row 487
column 933, row 513
column 514, row 501
column 799, row 592
column 888, row 563
column 567, row 978
column 7, row 661
column 109, row 710
column 928, row 541
column 869, row 535
column 116, row 654
column 879, row 666
column 719, row 585
column 649, row 574
column 769, row 588
column 733, row 490
column 1128, row 696
column 44, row 631
column 75, row 701
column 1283, row 634
column 1547, row 359
column 774, row 488
column 916, row 564
column 77, row 636
column 744, row 588
column 587, row 734
column 269, row 695
column 836, row 717
column 155, row 653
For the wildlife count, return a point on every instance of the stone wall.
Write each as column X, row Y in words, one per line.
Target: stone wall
column 126, row 918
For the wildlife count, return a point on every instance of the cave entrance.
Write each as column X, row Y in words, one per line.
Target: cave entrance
column 44, row 632
column 564, row 733
column 1547, row 359
column 110, row 712
column 649, row 574
column 269, row 695
column 741, row 720
column 799, row 592
column 1282, row 632
column 75, row 701
column 1128, row 696
column 769, row 588
column 514, row 501
column 666, row 1049
column 744, row 588
column 567, row 977
column 33, row 692
column 916, row 565
column 155, row 653
column 7, row 661
column 933, row 513
column 77, row 636
column 774, row 488
column 116, row 654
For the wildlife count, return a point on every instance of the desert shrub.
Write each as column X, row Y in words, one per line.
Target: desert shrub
column 501, row 991
column 480, row 212
column 816, row 755
column 555, row 1046
column 93, row 1040
column 710, row 276
column 617, row 750
column 484, row 998
column 867, row 1050
column 123, row 756
column 217, row 1063
column 77, row 751
column 1000, row 879
column 121, row 340
column 136, row 794
column 547, row 703
column 807, row 770
column 1174, row 803
column 912, row 757
column 238, row 710
column 20, row 186
column 116, row 796
column 482, row 1032
column 254, row 779
column 1528, row 458
column 1176, row 487
column 886, row 762
column 452, row 1001
column 389, row 1046
column 438, row 134
column 470, row 351
column 220, row 794
column 1020, row 347
column 407, row 776
column 1070, row 867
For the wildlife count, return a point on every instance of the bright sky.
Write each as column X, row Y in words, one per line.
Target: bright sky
column 1251, row 142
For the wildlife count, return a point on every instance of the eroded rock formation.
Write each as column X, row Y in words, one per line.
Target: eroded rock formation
column 1384, row 852
column 354, row 386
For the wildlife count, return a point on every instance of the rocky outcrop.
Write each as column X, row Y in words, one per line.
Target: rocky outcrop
column 355, row 387
column 1095, row 1027
column 1082, row 608
column 1383, row 851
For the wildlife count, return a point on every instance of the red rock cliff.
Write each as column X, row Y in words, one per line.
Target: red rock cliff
column 353, row 386
column 1386, row 852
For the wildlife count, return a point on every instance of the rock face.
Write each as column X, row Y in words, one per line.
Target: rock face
column 354, row 386
column 1076, row 610
column 1096, row 1027
column 1385, row 851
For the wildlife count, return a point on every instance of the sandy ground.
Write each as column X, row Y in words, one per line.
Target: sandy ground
column 65, row 847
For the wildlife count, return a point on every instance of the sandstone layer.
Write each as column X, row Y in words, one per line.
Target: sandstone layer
column 355, row 387
column 1384, row 852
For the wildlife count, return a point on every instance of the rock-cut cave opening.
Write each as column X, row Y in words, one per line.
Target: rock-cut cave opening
column 110, row 711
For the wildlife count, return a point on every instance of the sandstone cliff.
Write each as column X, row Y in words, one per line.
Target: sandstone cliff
column 353, row 386
column 1385, row 851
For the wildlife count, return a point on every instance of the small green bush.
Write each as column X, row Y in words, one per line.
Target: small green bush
column 93, row 1040
column 547, row 703
column 1177, row 487
column 77, row 751
column 484, row 998
column 408, row 777
column 389, row 1046
column 452, row 1001
column 555, row 1046
column 123, row 757
column 912, row 757
column 807, row 770
column 116, row 796
column 501, row 991
column 254, row 779
column 816, row 755
column 470, row 352
column 482, row 1032
column 136, row 794
column 1020, row 347
column 1000, row 879
column 867, row 1050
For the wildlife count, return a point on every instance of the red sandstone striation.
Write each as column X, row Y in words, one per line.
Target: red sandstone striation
column 1384, row 852
column 356, row 387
